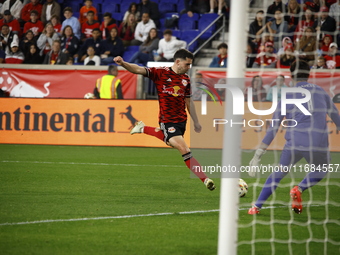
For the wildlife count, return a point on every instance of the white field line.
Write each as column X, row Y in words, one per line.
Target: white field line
column 92, row 164
column 123, row 216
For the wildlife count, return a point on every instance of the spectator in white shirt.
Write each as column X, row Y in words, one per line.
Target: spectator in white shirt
column 142, row 29
column 168, row 46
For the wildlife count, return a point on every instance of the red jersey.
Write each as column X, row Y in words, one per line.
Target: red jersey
column 172, row 90
column 36, row 27
column 13, row 25
column 26, row 11
column 57, row 28
column 86, row 29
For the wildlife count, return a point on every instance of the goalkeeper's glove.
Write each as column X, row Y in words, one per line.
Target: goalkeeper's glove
column 254, row 162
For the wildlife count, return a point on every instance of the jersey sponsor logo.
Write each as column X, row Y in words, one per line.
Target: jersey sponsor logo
column 175, row 91
column 171, row 130
column 184, row 82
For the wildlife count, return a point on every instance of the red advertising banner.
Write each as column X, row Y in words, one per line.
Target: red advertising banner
column 59, row 83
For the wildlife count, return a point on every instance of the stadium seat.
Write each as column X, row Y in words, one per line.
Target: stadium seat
column 128, row 54
column 118, row 17
column 132, row 48
column 75, row 5
column 188, row 36
column 180, row 6
column 204, row 22
column 177, row 33
column 166, row 7
column 109, row 7
column 187, row 23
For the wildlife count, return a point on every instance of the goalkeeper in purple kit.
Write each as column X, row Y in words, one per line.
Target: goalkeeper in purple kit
column 308, row 139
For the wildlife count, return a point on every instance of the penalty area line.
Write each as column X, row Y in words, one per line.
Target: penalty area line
column 128, row 216
column 91, row 164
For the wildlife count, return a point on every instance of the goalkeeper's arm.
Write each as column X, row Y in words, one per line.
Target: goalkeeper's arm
column 254, row 162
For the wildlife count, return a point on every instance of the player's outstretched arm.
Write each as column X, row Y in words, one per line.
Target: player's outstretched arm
column 132, row 68
column 192, row 111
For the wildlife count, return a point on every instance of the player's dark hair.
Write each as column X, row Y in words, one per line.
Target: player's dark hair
column 300, row 70
column 183, row 54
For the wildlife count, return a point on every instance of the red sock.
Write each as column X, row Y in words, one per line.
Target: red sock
column 152, row 131
column 192, row 164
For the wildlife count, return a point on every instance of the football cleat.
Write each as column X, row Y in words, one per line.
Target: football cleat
column 138, row 128
column 254, row 210
column 209, row 184
column 295, row 194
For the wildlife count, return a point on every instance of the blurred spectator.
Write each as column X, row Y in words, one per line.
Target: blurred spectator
column 56, row 56
column 142, row 29
column 69, row 42
column 196, row 6
column 14, row 55
column 257, row 27
column 70, row 61
column 307, row 21
column 168, row 46
column 325, row 23
column 306, row 47
column 333, row 57
column 93, row 41
column 111, row 47
column 27, row 41
column 91, row 59
column 219, row 6
column 35, row 25
column 13, row 23
column 292, row 15
column 285, row 41
column 85, row 9
column 26, row 11
column 313, row 5
column 147, row 6
column 258, row 91
column 46, row 39
column 14, row 6
column 107, row 24
column 145, row 53
column 127, row 29
column 321, row 63
column 280, row 79
column 56, row 24
column 2, row 58
column 287, row 58
column 277, row 5
column 50, row 8
column 222, row 59
column 278, row 28
column 33, row 56
column 196, row 85
column 251, row 54
column 88, row 26
column 263, row 40
column 266, row 59
column 72, row 21
column 132, row 10
column 7, row 37
column 109, row 86
column 326, row 41
column 334, row 12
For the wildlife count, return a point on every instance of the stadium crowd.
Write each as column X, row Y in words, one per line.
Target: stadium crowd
column 305, row 29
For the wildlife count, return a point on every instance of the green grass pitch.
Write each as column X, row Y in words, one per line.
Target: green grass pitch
column 64, row 184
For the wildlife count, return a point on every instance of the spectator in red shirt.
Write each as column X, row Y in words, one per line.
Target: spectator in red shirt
column 107, row 25
column 307, row 21
column 333, row 57
column 266, row 59
column 14, row 55
column 88, row 26
column 85, row 9
column 287, row 58
column 26, row 11
column 126, row 30
column 35, row 25
column 55, row 20
column 326, row 41
column 13, row 23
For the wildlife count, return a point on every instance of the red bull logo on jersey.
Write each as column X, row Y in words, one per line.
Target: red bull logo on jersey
column 175, row 91
column 171, row 130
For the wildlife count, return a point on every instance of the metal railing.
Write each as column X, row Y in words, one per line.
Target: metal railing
column 222, row 28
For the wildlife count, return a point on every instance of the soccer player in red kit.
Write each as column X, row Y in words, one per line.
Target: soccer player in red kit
column 173, row 88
